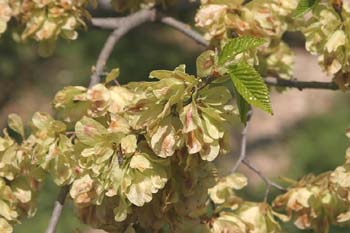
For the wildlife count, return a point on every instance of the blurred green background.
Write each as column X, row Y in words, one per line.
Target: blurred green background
column 314, row 143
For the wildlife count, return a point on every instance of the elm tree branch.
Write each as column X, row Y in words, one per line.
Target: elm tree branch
column 244, row 134
column 113, row 23
column 269, row 183
column 122, row 26
column 183, row 28
column 274, row 81
column 57, row 210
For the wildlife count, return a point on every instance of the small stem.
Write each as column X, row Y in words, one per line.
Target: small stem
column 242, row 159
column 267, row 192
column 266, row 180
column 115, row 23
column 185, row 29
column 274, row 81
column 122, row 26
column 243, row 148
column 57, row 210
column 104, row 55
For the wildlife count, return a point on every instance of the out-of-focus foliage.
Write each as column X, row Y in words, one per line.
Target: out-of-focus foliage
column 43, row 21
column 5, row 16
column 20, row 179
column 259, row 18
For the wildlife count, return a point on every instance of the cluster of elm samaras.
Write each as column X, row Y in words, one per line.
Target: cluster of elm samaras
column 140, row 157
column 325, row 30
column 43, row 20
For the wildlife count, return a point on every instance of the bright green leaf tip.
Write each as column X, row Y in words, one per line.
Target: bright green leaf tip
column 239, row 45
column 303, row 7
column 250, row 86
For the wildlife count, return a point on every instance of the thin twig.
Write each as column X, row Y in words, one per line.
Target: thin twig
column 243, row 148
column 269, row 183
column 103, row 57
column 267, row 192
column 274, row 81
column 242, row 159
column 185, row 29
column 117, row 22
column 123, row 27
column 56, row 213
column 110, row 23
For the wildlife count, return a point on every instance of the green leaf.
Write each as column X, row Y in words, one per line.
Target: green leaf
column 238, row 45
column 114, row 74
column 303, row 7
column 16, row 124
column 250, row 86
column 243, row 107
